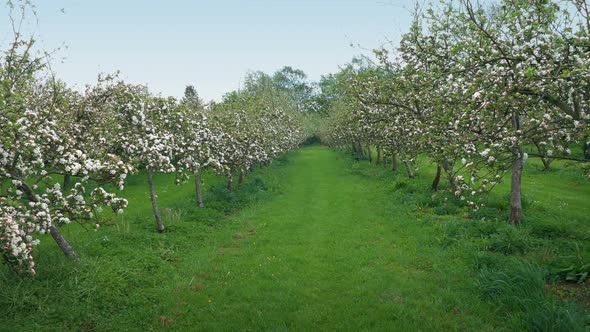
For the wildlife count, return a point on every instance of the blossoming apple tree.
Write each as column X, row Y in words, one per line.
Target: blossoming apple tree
column 40, row 143
column 480, row 86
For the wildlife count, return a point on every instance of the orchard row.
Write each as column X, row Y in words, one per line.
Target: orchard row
column 60, row 150
column 473, row 88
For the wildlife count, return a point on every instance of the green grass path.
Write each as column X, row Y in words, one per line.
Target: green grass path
column 331, row 252
column 330, row 244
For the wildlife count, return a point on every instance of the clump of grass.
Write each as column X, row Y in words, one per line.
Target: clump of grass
column 486, row 260
column 554, row 230
column 493, row 236
column 512, row 286
column 462, row 231
column 554, row 315
column 489, row 213
column 446, row 209
column 172, row 216
column 399, row 185
column 510, row 240
column 572, row 268
column 220, row 199
column 518, row 288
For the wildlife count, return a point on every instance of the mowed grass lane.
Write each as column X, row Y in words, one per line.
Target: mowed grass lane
column 332, row 252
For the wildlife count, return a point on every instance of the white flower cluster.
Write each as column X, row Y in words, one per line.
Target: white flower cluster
column 16, row 241
column 248, row 138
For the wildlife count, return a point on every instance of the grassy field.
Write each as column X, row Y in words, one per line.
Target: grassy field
column 318, row 241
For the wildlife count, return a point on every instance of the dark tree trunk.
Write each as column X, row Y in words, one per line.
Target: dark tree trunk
column 516, row 186
column 370, row 154
column 241, row 179
column 154, row 198
column 385, row 161
column 230, row 183
column 359, row 151
column 67, row 181
column 436, row 181
column 394, row 163
column 62, row 243
column 199, row 189
column 378, row 161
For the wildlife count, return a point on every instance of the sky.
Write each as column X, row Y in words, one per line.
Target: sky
column 210, row 44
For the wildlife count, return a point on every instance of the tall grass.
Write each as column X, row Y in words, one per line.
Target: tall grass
column 518, row 289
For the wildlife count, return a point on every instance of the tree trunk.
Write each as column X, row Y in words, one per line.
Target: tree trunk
column 436, row 177
column 362, row 151
column 199, row 189
column 516, row 183
column 230, row 183
column 516, row 186
column 394, row 164
column 241, row 179
column 408, row 167
column 384, row 161
column 378, row 161
column 67, row 181
column 359, row 151
column 154, row 199
column 370, row 154
column 448, row 169
column 546, row 163
column 62, row 243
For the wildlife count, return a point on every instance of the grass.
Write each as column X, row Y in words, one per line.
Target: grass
column 317, row 241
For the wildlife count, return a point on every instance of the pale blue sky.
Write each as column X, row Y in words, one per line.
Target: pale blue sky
column 211, row 44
